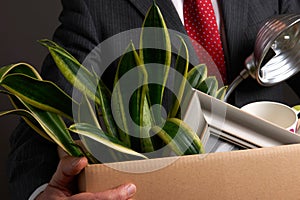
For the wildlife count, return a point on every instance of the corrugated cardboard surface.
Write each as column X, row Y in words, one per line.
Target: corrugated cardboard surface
column 266, row 173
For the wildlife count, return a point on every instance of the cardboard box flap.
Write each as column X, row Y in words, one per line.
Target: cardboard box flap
column 246, row 174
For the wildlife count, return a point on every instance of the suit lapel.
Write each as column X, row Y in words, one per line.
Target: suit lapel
column 171, row 16
column 168, row 11
column 141, row 5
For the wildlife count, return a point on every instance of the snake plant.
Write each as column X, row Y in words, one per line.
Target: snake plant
column 44, row 106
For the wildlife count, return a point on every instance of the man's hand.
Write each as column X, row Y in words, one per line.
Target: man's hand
column 63, row 184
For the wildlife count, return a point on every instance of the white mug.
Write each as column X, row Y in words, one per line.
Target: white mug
column 276, row 113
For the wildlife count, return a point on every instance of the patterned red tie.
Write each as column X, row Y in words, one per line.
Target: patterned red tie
column 200, row 24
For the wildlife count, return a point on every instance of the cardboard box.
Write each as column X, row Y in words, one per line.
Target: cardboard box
column 271, row 172
column 266, row 173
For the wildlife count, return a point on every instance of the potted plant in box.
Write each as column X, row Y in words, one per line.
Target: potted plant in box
column 44, row 106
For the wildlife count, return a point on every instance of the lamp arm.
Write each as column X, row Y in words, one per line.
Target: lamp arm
column 243, row 75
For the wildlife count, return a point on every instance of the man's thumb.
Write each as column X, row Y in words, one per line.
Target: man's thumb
column 67, row 169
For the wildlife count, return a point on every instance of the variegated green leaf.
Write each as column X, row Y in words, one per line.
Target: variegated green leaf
column 179, row 136
column 44, row 95
column 139, row 116
column 221, row 92
column 197, row 75
column 19, row 106
column 297, row 107
column 51, row 123
column 146, row 124
column 73, row 71
column 56, row 129
column 105, row 109
column 157, row 58
column 19, row 68
column 121, row 101
column 138, row 105
column 181, row 65
column 98, row 135
column 29, row 119
column 209, row 86
column 120, row 117
column 87, row 113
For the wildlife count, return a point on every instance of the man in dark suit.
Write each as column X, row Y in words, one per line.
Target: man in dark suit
column 86, row 23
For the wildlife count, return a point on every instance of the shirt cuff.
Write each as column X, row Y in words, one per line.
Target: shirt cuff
column 38, row 191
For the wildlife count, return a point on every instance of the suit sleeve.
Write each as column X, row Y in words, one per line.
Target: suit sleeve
column 33, row 160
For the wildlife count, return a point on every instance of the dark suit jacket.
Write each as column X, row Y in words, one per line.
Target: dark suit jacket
column 86, row 23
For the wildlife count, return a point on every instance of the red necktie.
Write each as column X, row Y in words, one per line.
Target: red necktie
column 201, row 26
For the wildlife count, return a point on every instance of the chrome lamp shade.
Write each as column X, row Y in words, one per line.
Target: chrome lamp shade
column 276, row 55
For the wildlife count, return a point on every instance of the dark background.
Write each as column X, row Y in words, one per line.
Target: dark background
column 22, row 23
